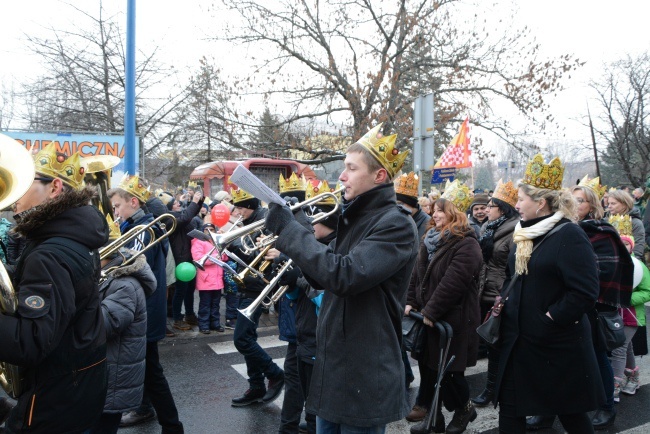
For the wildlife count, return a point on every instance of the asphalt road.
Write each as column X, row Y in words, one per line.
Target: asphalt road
column 205, row 372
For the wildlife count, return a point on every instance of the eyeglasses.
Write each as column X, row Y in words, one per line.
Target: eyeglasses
column 492, row 206
column 47, row 180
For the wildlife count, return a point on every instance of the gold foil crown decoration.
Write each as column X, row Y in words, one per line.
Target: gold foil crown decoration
column 384, row 150
column 293, row 183
column 240, row 195
column 622, row 223
column 135, row 186
column 193, row 185
column 407, row 184
column 506, row 192
column 541, row 175
column 322, row 187
column 458, row 194
column 114, row 229
column 594, row 184
column 53, row 164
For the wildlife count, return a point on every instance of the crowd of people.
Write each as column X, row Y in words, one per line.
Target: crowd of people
column 551, row 262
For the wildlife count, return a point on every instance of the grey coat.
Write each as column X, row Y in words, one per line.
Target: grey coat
column 358, row 376
column 124, row 308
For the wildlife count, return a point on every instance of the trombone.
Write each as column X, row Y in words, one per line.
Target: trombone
column 137, row 234
column 261, row 299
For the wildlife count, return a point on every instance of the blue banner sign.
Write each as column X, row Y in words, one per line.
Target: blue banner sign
column 441, row 175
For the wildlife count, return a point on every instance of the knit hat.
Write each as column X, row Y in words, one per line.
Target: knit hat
column 629, row 239
column 221, row 195
column 479, row 199
column 409, row 200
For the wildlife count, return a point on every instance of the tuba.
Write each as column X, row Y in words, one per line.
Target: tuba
column 15, row 160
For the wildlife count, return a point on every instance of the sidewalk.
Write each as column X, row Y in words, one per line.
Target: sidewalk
column 268, row 324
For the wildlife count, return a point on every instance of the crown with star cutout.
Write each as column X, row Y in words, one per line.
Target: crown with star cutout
column 136, row 187
column 54, row 164
column 384, row 150
column 293, row 183
column 541, row 175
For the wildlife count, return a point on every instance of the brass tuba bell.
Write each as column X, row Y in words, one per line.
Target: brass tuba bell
column 16, row 176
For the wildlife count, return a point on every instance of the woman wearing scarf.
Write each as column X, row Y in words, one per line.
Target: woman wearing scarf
column 496, row 243
column 444, row 287
column 545, row 334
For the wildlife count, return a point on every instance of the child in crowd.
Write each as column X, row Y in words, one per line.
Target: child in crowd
column 209, row 283
column 623, row 361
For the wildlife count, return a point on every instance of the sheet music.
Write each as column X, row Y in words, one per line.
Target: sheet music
column 225, row 266
column 252, row 184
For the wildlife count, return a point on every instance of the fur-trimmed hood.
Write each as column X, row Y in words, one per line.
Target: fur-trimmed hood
column 138, row 269
column 68, row 215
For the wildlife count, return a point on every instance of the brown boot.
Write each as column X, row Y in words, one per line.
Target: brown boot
column 462, row 417
column 416, row 414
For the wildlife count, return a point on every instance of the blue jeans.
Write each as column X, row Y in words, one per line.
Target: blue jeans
column 189, row 297
column 209, row 309
column 326, row 427
column 258, row 363
column 607, row 376
column 232, row 302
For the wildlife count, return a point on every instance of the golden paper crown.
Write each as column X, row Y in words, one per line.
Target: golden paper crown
column 612, row 189
column 192, row 184
column 541, row 175
column 240, row 195
column 594, row 184
column 322, row 187
column 407, row 184
column 458, row 194
column 622, row 223
column 48, row 162
column 384, row 150
column 506, row 192
column 293, row 183
column 134, row 185
column 113, row 228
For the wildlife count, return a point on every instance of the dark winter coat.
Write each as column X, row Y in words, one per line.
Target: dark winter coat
column 562, row 279
column 58, row 334
column 124, row 308
column 493, row 273
column 446, row 289
column 253, row 285
column 179, row 240
column 421, row 220
column 358, row 376
column 638, row 232
column 156, row 302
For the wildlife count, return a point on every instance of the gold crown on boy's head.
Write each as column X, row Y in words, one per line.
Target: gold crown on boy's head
column 292, row 183
column 458, row 194
column 322, row 187
column 594, row 184
column 192, row 185
column 541, row 175
column 53, row 164
column 622, row 223
column 113, row 228
column 136, row 187
column 506, row 192
column 384, row 150
column 407, row 184
column 240, row 195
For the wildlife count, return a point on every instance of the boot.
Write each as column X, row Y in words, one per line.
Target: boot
column 603, row 419
column 619, row 384
column 462, row 417
column 438, row 428
column 417, row 414
column 251, row 396
column 488, row 393
column 632, row 382
column 535, row 423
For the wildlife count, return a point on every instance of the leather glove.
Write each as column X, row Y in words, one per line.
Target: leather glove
column 278, row 218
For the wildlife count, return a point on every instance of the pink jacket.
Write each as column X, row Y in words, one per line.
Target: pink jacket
column 212, row 277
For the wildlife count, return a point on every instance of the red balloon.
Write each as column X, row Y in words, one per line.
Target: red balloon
column 220, row 215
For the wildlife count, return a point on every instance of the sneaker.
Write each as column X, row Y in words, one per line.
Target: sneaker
column 205, row 331
column 191, row 319
column 251, row 396
column 619, row 384
column 417, row 414
column 217, row 329
column 632, row 383
column 182, row 325
column 275, row 387
column 230, row 324
column 132, row 418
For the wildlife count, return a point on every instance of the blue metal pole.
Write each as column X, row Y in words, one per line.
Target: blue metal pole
column 131, row 149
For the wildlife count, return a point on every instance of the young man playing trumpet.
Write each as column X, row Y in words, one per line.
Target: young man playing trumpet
column 358, row 377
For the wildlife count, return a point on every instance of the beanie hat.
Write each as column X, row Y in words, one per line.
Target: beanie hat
column 629, row 239
column 221, row 195
column 409, row 200
column 479, row 199
column 252, row 203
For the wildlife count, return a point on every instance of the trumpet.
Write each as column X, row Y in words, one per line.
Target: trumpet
column 261, row 299
column 136, row 234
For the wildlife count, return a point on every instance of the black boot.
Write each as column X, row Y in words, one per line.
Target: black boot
column 462, row 417
column 535, row 423
column 251, row 396
column 487, row 395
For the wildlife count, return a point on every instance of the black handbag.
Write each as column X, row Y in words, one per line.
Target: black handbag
column 412, row 335
column 490, row 328
column 611, row 329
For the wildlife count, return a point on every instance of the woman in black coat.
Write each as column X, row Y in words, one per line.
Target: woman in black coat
column 548, row 365
column 444, row 287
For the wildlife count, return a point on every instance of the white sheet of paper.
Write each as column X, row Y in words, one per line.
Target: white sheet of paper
column 252, row 184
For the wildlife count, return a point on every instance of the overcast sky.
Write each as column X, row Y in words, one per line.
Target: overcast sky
column 594, row 31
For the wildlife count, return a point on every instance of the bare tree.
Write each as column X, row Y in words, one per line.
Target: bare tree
column 623, row 93
column 369, row 60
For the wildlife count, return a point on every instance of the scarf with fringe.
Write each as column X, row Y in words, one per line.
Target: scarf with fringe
column 523, row 238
